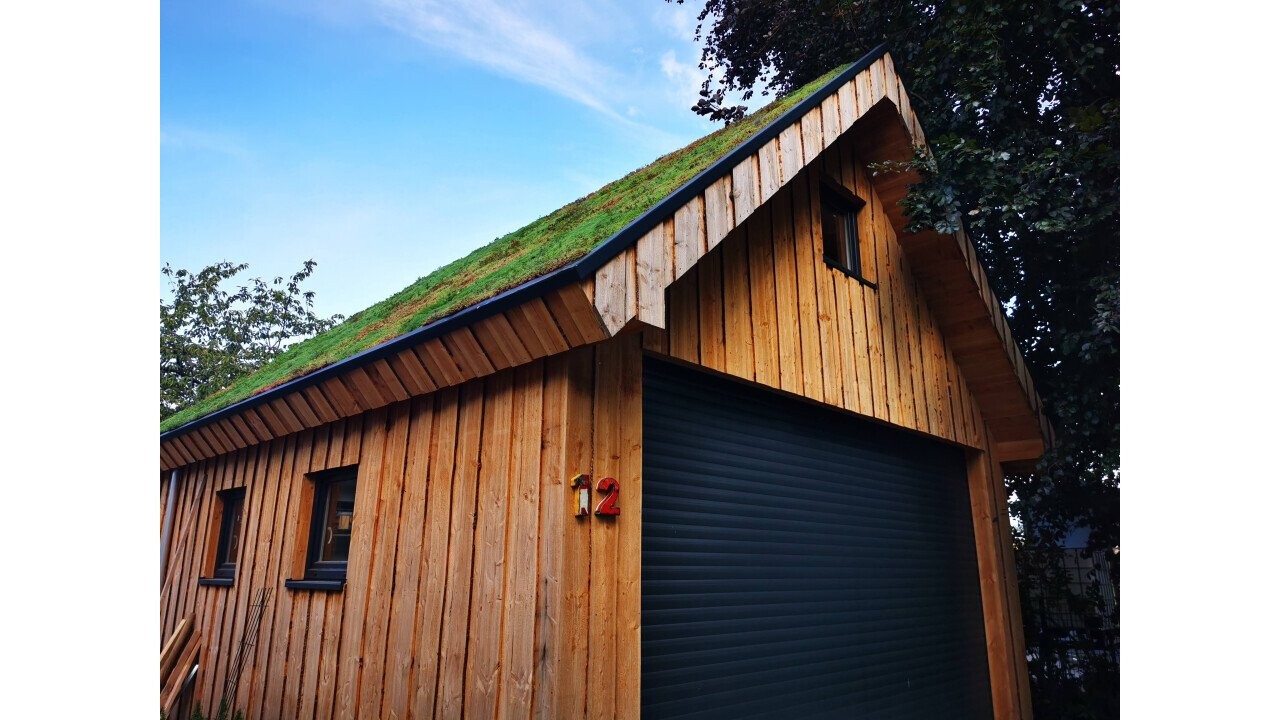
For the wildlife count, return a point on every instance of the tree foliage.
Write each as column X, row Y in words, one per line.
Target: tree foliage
column 210, row 336
column 1021, row 103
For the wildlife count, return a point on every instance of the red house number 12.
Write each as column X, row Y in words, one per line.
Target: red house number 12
column 581, row 485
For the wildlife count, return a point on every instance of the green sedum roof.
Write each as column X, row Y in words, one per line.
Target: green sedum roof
column 534, row 250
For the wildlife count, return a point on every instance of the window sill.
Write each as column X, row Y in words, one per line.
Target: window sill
column 849, row 273
column 315, row 585
column 216, row 582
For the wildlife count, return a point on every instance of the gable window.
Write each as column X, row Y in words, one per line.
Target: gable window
column 220, row 569
column 333, row 512
column 840, row 243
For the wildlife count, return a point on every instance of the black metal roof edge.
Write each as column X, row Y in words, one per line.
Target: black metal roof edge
column 505, row 300
column 580, row 269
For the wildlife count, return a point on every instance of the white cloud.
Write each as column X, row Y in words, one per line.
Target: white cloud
column 685, row 78
column 507, row 40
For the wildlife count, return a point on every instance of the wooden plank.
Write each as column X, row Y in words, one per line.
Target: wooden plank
column 173, row 647
column 487, row 591
column 684, row 318
column 457, row 596
column 890, row 319
column 611, row 293
column 572, row 309
column 551, row 532
column 411, row 372
column 440, row 365
column 746, row 189
column 846, row 342
column 690, row 236
column 825, row 280
column 808, row 262
column 790, row 152
column 367, row 394
column 571, row 670
column 433, row 576
column 848, row 107
column 991, row 586
column 320, row 404
column 521, row 569
column 229, row 430
column 654, row 273
column 343, row 402
column 630, row 422
column 830, row 120
column 878, row 89
column 286, row 415
column 782, row 234
column 182, row 668
column 764, row 298
column 307, row 628
column 204, row 443
column 739, row 350
column 215, row 437
column 711, row 312
column 275, row 426
column 374, row 442
column 467, row 353
column 382, row 570
column 282, row 636
column 500, row 342
column 532, row 321
column 811, row 134
column 602, row 627
column 345, row 445
column 769, row 160
column 388, row 384
column 280, row 453
column 862, row 91
column 718, row 209
column 298, row 404
column 397, row 686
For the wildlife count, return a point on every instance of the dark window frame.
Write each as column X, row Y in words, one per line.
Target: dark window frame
column 326, row 571
column 222, row 572
column 835, row 198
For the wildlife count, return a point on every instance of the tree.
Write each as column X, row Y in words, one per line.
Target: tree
column 209, row 336
column 1021, row 103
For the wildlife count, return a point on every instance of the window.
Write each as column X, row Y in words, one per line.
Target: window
column 840, row 247
column 220, row 567
column 333, row 510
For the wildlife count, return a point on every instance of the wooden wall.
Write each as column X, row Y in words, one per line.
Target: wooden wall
column 471, row 590
column 764, row 306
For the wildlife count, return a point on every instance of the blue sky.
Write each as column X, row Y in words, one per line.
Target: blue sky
column 383, row 138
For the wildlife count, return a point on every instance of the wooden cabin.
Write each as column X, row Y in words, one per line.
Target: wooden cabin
column 737, row 455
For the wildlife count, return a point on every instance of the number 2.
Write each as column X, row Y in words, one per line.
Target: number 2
column 609, row 505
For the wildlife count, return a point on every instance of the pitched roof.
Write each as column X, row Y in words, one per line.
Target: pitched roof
column 512, row 261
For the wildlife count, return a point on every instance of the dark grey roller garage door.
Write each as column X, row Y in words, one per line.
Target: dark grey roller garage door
column 801, row 563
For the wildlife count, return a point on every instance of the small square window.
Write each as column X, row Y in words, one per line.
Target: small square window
column 840, row 246
column 333, row 512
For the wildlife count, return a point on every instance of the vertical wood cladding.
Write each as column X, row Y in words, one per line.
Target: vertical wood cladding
column 471, row 590
column 764, row 306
